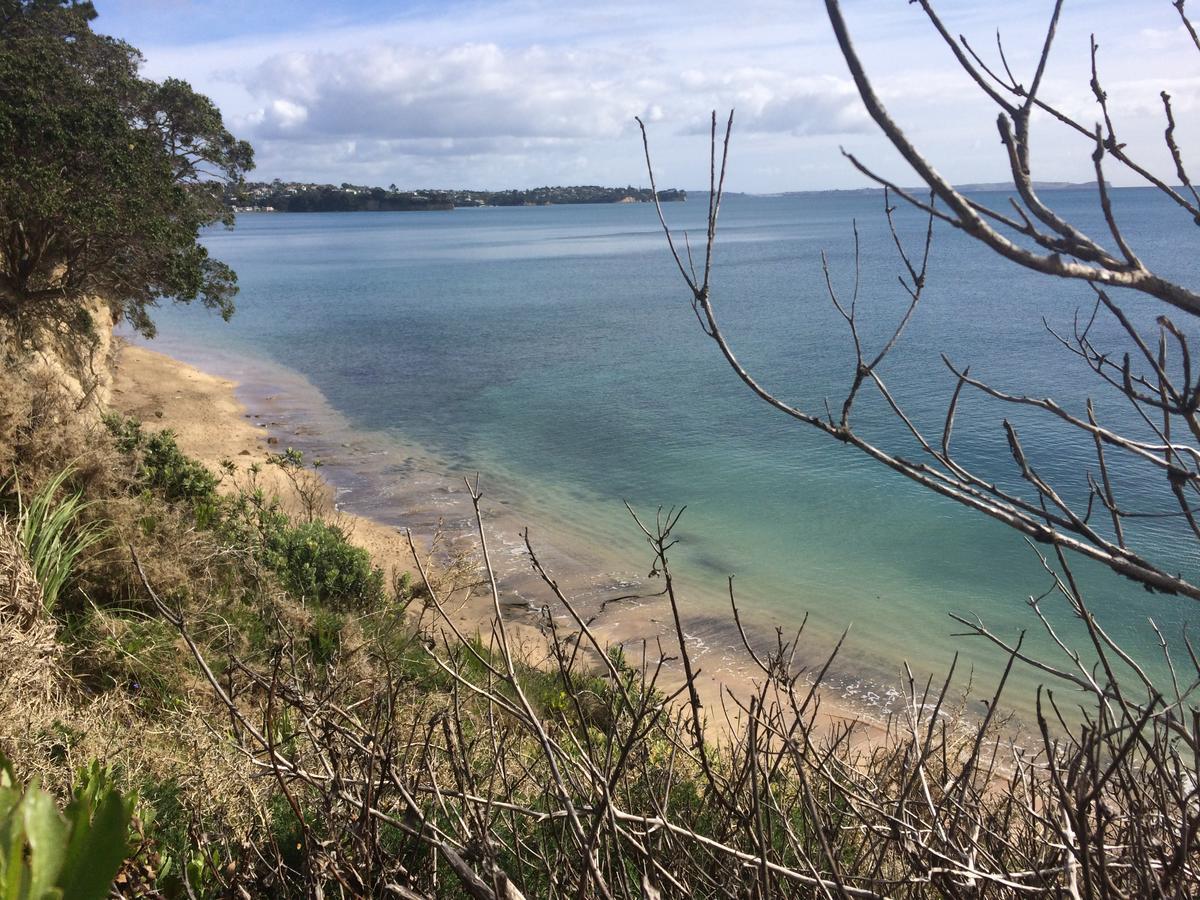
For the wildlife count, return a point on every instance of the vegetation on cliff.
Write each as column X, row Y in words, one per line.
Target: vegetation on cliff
column 106, row 177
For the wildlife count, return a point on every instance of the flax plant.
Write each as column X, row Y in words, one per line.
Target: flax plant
column 49, row 530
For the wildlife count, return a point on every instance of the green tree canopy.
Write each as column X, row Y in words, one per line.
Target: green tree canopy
column 106, row 178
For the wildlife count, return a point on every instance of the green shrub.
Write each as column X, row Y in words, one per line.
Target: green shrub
column 177, row 477
column 325, row 636
column 314, row 559
column 403, row 586
column 165, row 470
column 253, row 521
column 317, row 563
column 127, row 433
column 50, row 855
column 406, row 588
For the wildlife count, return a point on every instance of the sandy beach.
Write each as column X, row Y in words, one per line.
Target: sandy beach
column 211, row 424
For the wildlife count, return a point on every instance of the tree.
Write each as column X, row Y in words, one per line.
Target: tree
column 106, row 178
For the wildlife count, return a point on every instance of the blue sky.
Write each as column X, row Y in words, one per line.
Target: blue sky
column 517, row 93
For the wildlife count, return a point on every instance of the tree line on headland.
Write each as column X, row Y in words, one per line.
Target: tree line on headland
column 281, row 196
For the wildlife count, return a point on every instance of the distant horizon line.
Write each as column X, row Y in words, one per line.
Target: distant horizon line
column 865, row 189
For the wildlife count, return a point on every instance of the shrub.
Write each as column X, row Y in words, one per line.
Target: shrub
column 177, row 477
column 325, row 637
column 48, row 854
column 164, row 469
column 252, row 520
column 406, row 588
column 317, row 563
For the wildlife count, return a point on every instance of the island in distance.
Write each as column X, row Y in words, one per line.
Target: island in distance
column 291, row 196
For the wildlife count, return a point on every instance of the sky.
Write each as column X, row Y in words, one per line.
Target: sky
column 494, row 94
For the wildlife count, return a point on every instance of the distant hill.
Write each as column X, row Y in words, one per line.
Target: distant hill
column 1037, row 186
column 972, row 187
column 292, row 196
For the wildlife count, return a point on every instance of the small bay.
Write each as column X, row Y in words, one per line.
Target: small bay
column 554, row 351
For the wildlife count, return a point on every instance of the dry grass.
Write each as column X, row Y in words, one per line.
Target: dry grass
column 53, row 722
column 27, row 645
column 102, row 679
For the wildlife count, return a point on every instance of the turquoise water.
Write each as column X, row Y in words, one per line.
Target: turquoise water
column 553, row 350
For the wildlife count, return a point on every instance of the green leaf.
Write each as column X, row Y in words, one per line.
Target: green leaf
column 116, row 174
column 98, row 847
column 12, row 844
column 46, row 833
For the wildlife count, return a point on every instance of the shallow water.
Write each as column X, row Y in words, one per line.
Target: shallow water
column 553, row 350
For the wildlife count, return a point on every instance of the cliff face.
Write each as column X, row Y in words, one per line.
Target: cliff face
column 81, row 364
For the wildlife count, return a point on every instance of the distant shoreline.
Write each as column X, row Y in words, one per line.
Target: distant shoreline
column 280, row 196
column 256, row 209
column 642, row 196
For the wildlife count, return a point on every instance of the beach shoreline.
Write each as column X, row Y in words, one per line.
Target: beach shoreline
column 214, row 423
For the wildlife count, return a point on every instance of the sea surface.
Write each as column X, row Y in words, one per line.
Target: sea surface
column 553, row 351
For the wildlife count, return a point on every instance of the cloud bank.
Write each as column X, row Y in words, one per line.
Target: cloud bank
column 476, row 97
column 514, row 93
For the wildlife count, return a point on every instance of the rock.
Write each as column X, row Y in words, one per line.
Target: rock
column 272, row 440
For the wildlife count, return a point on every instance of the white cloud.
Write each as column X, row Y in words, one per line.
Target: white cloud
column 769, row 101
column 283, row 116
column 478, row 92
column 466, row 92
column 500, row 93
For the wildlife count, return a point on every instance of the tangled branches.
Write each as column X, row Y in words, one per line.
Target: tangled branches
column 1124, row 763
column 590, row 777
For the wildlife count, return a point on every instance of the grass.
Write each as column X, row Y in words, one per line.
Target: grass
column 48, row 528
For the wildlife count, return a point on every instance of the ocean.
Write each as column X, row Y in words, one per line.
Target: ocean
column 553, row 351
